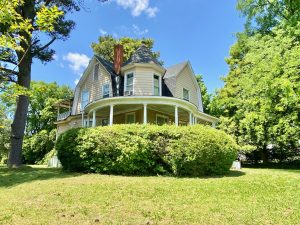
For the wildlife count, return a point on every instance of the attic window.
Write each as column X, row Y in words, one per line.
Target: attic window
column 186, row 94
column 96, row 72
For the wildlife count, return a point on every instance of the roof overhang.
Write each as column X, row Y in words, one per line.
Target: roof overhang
column 144, row 65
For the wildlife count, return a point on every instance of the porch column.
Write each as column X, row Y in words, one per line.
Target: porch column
column 213, row 124
column 82, row 118
column 176, row 115
column 191, row 119
column 145, row 114
column 94, row 118
column 88, row 120
column 111, row 115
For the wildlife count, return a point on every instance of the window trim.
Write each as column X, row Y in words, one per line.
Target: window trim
column 108, row 90
column 88, row 100
column 188, row 94
column 162, row 116
column 159, row 84
column 125, row 82
column 88, row 123
column 127, row 114
column 97, row 73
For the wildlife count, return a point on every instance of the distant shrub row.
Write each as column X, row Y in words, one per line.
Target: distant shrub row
column 146, row 150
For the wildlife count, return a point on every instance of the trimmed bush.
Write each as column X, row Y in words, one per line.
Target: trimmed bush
column 147, row 150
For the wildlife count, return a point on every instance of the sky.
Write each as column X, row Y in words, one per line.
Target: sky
column 200, row 31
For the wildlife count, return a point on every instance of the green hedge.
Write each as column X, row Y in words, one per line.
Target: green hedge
column 145, row 150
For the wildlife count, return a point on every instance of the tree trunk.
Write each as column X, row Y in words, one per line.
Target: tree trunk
column 24, row 78
column 265, row 155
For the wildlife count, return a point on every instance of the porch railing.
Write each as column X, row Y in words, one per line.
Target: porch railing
column 63, row 116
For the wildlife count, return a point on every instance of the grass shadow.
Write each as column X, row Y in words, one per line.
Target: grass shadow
column 13, row 177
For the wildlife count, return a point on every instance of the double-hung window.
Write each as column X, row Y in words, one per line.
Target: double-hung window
column 129, row 84
column 156, row 84
column 186, row 94
column 96, row 72
column 105, row 91
column 84, row 98
column 130, row 118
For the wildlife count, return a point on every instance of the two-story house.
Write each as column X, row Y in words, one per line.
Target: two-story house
column 140, row 90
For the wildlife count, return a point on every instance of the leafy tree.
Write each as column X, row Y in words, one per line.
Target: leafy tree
column 24, row 25
column 204, row 93
column 105, row 46
column 261, row 98
column 4, row 132
column 263, row 15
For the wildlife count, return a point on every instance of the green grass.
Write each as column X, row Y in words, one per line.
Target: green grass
column 49, row 196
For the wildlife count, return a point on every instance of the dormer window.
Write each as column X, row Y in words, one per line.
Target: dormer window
column 84, row 99
column 186, row 94
column 129, row 84
column 156, row 84
column 96, row 72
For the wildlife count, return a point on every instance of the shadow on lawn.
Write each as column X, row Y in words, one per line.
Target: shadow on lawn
column 12, row 177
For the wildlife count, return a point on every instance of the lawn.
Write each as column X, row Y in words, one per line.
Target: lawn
column 49, row 196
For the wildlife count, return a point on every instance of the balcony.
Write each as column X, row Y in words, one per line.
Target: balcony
column 63, row 116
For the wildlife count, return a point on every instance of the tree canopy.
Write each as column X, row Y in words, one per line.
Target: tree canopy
column 105, row 46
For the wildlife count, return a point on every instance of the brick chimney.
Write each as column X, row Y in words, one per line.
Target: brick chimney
column 118, row 58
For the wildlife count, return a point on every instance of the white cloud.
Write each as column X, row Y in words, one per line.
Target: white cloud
column 77, row 61
column 103, row 32
column 138, row 6
column 137, row 31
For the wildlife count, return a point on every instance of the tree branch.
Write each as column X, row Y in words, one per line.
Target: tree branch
column 9, row 71
column 44, row 47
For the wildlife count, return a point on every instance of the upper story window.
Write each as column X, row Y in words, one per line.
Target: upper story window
column 105, row 91
column 96, row 72
column 186, row 94
column 84, row 98
column 129, row 84
column 156, row 84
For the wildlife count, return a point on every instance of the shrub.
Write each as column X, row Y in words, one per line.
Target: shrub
column 35, row 147
column 145, row 150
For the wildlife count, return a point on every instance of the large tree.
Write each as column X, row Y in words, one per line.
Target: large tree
column 105, row 46
column 24, row 27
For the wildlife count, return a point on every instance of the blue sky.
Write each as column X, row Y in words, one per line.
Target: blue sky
column 201, row 31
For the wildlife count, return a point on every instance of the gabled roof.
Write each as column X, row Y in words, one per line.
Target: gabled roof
column 174, row 70
column 107, row 65
column 142, row 55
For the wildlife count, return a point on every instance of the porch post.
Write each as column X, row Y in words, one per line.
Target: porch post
column 213, row 124
column 94, row 118
column 111, row 115
column 82, row 118
column 145, row 114
column 176, row 115
column 191, row 119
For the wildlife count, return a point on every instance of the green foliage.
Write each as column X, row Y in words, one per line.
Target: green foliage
column 261, row 97
column 4, row 133
column 146, row 150
column 204, row 93
column 37, row 146
column 105, row 46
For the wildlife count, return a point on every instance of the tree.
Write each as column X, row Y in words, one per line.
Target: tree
column 105, row 46
column 205, row 95
column 23, row 27
column 260, row 101
column 263, row 15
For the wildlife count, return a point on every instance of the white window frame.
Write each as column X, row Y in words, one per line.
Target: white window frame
column 188, row 94
column 103, row 90
column 97, row 73
column 159, row 85
column 131, row 113
column 88, row 123
column 88, row 101
column 125, row 82
column 162, row 116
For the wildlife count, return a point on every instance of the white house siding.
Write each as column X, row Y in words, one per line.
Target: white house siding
column 143, row 80
column 94, row 87
column 185, row 80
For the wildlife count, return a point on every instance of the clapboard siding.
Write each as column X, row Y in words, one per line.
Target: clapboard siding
column 143, row 80
column 185, row 80
column 94, row 87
